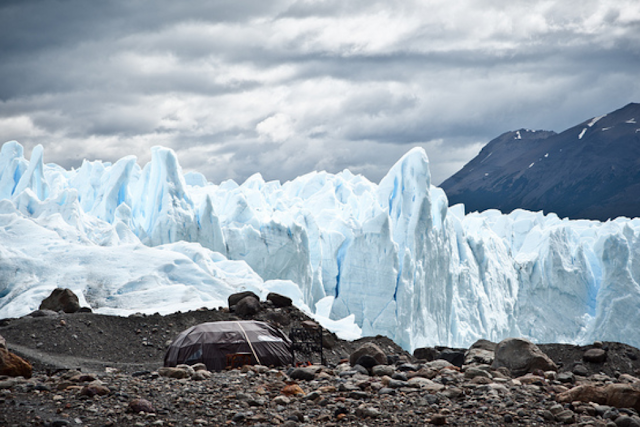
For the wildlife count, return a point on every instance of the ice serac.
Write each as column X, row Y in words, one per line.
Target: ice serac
column 362, row 258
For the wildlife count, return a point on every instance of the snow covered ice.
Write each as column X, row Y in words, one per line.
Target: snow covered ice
column 362, row 258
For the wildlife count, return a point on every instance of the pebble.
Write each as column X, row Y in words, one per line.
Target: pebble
column 262, row 396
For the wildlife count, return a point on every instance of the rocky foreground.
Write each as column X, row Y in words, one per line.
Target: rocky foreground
column 94, row 370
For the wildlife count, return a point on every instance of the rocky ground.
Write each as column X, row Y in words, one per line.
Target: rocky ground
column 95, row 370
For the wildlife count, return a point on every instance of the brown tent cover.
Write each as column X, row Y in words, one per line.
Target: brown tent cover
column 210, row 343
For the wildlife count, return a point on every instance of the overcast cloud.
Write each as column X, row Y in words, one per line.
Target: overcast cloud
column 287, row 87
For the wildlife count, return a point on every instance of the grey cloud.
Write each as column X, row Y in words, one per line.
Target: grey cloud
column 107, row 79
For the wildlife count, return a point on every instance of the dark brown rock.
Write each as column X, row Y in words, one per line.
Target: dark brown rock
column 521, row 356
column 369, row 349
column 617, row 395
column 481, row 352
column 140, row 405
column 247, row 306
column 279, row 300
column 13, row 365
column 438, row 420
column 61, row 300
column 595, row 355
column 425, row 353
column 235, row 298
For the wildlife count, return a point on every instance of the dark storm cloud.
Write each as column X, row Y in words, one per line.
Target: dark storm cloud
column 286, row 87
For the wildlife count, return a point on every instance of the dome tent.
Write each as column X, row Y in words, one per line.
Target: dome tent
column 211, row 343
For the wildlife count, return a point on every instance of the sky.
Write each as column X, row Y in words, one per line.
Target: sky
column 285, row 87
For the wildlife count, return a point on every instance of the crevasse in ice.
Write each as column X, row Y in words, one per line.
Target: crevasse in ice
column 362, row 258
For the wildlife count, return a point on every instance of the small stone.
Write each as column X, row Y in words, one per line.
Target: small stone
column 399, row 376
column 581, row 370
column 140, row 405
column 313, row 395
column 358, row 395
column 438, row 420
column 508, row 418
column 566, row 377
column 293, row 390
column 174, row 372
column 475, row 372
column 239, row 417
column 281, row 400
column 94, row 390
column 397, row 384
column 381, row 370
column 406, row 367
column 306, row 374
column 364, row 411
column 360, row 370
column 566, row 416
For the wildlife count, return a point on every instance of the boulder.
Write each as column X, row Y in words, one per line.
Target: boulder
column 369, row 349
column 235, row 298
column 13, row 365
column 247, row 306
column 521, row 356
column 595, row 355
column 61, row 300
column 3, row 342
column 452, row 355
column 617, row 395
column 481, row 352
column 279, row 300
column 426, row 353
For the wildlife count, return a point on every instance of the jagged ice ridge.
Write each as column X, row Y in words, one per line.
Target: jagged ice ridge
column 362, row 258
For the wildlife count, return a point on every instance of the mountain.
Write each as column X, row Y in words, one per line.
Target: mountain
column 361, row 258
column 589, row 171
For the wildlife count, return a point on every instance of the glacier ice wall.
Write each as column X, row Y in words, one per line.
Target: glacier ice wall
column 392, row 257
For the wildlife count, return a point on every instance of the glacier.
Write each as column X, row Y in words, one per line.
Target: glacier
column 362, row 258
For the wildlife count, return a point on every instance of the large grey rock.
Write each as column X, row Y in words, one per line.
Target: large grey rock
column 481, row 352
column 279, row 300
column 235, row 298
column 61, row 300
column 521, row 356
column 369, row 349
column 595, row 355
column 426, row 353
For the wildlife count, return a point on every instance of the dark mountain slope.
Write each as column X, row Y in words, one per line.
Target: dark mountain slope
column 591, row 170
